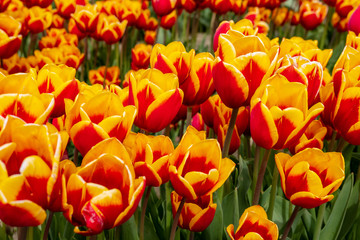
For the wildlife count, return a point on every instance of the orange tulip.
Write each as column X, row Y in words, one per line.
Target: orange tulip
column 199, row 85
column 110, row 29
column 172, row 58
column 30, row 157
column 9, row 35
column 221, row 6
column 112, row 75
column 163, row 7
column 56, row 38
column 197, row 214
column 313, row 137
column 344, row 7
column 196, row 166
column 302, row 176
column 140, row 56
column 280, row 16
column 130, row 12
column 156, row 96
column 73, row 29
column 59, row 80
column 86, row 18
column 278, row 120
column 57, row 21
column 254, row 224
column 104, row 192
column 101, row 117
column 38, row 19
column 150, row 157
column 312, row 14
column 65, row 8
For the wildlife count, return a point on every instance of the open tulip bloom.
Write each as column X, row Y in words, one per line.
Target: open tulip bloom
column 179, row 119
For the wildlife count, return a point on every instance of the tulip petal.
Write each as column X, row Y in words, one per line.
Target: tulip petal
column 262, row 127
column 309, row 200
column 202, row 219
column 181, row 186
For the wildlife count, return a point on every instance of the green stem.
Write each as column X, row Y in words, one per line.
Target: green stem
column 324, row 35
column 256, row 167
column 229, row 132
column 184, row 26
column 289, row 223
column 192, row 234
column 341, row 145
column 33, row 38
column 195, row 28
column 108, row 53
column 332, row 141
column 188, row 116
column 48, row 224
column 123, row 53
column 319, row 221
column 96, row 53
column 176, row 219
column 260, row 179
column 212, row 29
column 273, row 192
column 143, row 211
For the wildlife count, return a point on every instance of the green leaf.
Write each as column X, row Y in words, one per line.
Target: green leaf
column 129, row 230
column 230, row 209
column 244, row 183
column 149, row 230
column 352, row 212
column 333, row 225
column 308, row 220
column 216, row 228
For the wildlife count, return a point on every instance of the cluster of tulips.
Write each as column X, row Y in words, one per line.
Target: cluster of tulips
column 178, row 143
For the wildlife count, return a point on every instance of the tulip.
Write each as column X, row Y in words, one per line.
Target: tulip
column 157, row 97
column 302, row 176
column 299, row 69
column 312, row 14
column 110, row 28
column 221, row 6
column 254, row 224
column 65, row 8
column 38, row 19
column 344, row 7
column 86, row 18
column 150, row 157
column 197, row 122
column 140, row 56
column 172, row 58
column 112, row 76
column 56, row 38
column 189, row 5
column 354, row 20
column 73, row 29
column 280, row 16
column 199, row 85
column 29, row 168
column 197, row 214
column 104, row 192
column 241, row 66
column 100, row 117
column 15, row 64
column 169, row 20
column 163, row 7
column 59, row 80
column 9, row 34
column 130, row 12
column 313, row 137
column 196, row 166
column 278, row 120
column 150, row 37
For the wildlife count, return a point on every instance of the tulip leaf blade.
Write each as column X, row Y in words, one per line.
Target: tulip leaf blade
column 129, row 230
column 230, row 207
column 352, row 212
column 149, row 230
column 243, row 186
column 333, row 225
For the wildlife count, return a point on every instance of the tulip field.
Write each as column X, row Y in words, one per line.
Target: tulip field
column 179, row 119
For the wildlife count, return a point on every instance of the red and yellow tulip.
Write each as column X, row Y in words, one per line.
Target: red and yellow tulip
column 9, row 35
column 302, row 176
column 254, row 224
column 196, row 166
